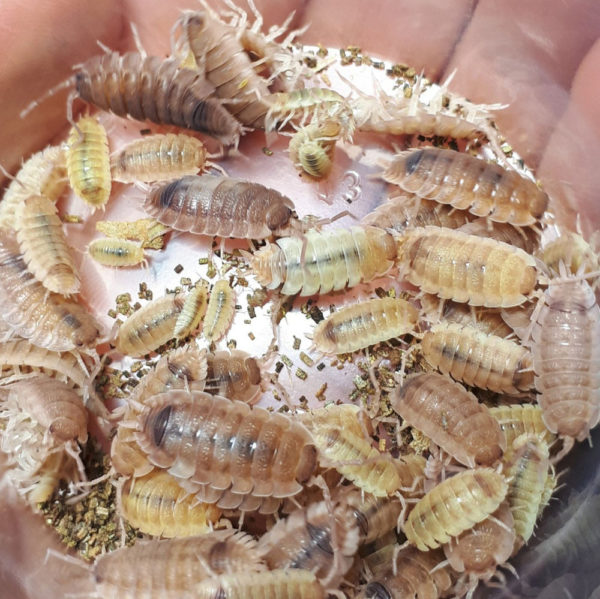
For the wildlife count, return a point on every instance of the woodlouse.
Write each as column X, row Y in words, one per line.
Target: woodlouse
column 360, row 325
column 333, row 260
column 467, row 182
column 451, row 417
column 466, row 268
column 226, row 445
column 311, row 148
column 566, row 358
column 219, row 312
column 88, row 162
column 485, row 361
column 223, row 206
column 117, row 253
column 44, row 246
column 157, row 158
column 149, row 327
column 453, row 506
column 192, row 312
column 46, row 319
column 156, row 505
column 233, row 374
column 572, row 250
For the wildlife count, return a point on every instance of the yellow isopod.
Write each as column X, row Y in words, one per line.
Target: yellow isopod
column 119, row 253
column 220, row 311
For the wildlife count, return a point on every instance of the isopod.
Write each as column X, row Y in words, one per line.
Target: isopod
column 333, row 260
column 157, row 158
column 156, row 505
column 566, row 358
column 44, row 246
column 466, row 268
column 321, row 538
column 525, row 238
column 233, row 374
column 470, row 356
column 192, row 312
column 451, row 417
column 227, row 446
column 468, row 183
column 117, row 253
column 357, row 326
column 311, row 148
column 149, row 327
column 453, row 506
column 88, row 162
column 46, row 319
column 42, row 174
column 572, row 250
column 223, row 206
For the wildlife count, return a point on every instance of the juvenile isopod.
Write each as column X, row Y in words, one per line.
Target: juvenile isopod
column 451, row 417
column 466, row 268
column 565, row 344
column 333, row 260
column 117, row 253
column 357, row 326
column 219, row 312
column 158, row 157
column 453, row 506
column 149, row 327
column 226, row 446
column 233, row 374
column 156, row 505
column 321, row 538
column 42, row 174
column 223, row 206
column 470, row 356
column 311, row 148
column 46, row 319
column 44, row 246
column 468, row 183
column 192, row 312
column 526, row 238
column 88, row 162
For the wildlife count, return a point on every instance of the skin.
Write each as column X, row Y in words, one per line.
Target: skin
column 541, row 58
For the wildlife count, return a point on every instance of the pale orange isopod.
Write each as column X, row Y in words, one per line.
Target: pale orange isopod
column 233, row 374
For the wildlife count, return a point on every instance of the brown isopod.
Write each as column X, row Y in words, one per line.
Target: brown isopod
column 46, row 319
column 466, row 268
column 55, row 405
column 44, row 245
column 472, row 357
column 192, row 312
column 468, row 183
column 565, row 344
column 221, row 206
column 156, row 505
column 116, row 253
column 88, row 162
column 157, row 158
column 219, row 312
column 174, row 567
column 311, row 148
column 360, row 325
column 149, row 327
column 42, row 174
column 151, row 88
column 233, row 374
column 226, row 445
column 453, row 506
column 526, row 238
column 333, row 260
column 451, row 417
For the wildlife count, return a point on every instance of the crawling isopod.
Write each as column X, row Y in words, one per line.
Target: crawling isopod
column 357, row 326
column 223, row 206
column 321, row 538
column 526, row 238
column 225, row 445
column 42, row 174
column 156, row 505
column 88, row 162
column 149, row 327
column 219, row 312
column 466, row 268
column 453, row 506
column 333, row 260
column 117, row 253
column 468, row 355
column 572, row 250
column 158, row 157
column 468, row 183
column 451, row 417
column 192, row 312
column 311, row 148
column 47, row 319
column 154, row 89
column 233, row 374
column 566, row 358
column 44, row 246
column 174, row 567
